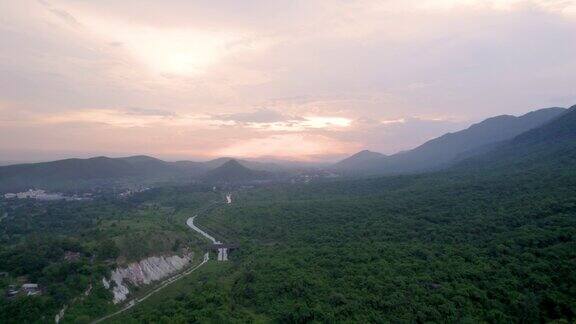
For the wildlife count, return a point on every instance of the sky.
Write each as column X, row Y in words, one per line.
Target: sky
column 311, row 80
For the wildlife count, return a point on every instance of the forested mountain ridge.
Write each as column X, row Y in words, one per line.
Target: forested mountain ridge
column 144, row 170
column 45, row 174
column 105, row 171
column 448, row 149
column 78, row 173
column 254, row 165
column 359, row 160
column 560, row 129
column 552, row 145
column 233, row 171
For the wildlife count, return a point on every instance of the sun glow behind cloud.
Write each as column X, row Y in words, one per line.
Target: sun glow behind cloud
column 303, row 123
column 291, row 146
column 347, row 74
column 180, row 52
column 167, row 50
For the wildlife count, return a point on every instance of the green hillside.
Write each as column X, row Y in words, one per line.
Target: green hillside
column 457, row 247
column 451, row 148
column 233, row 171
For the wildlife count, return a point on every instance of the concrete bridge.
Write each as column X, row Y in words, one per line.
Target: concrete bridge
column 217, row 246
column 223, row 250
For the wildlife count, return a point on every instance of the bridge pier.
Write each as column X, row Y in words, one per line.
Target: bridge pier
column 222, row 254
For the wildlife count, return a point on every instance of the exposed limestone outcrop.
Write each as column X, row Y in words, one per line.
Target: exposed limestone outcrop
column 143, row 273
column 60, row 314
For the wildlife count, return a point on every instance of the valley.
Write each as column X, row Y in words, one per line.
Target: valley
column 490, row 238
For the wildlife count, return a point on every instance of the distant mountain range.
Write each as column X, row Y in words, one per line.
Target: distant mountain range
column 551, row 146
column 543, row 137
column 141, row 169
column 449, row 149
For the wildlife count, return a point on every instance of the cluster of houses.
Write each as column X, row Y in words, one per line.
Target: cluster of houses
column 34, row 194
column 309, row 176
column 40, row 194
column 131, row 192
column 33, row 289
column 27, row 289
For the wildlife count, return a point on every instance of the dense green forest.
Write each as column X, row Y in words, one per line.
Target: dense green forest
column 106, row 232
column 446, row 247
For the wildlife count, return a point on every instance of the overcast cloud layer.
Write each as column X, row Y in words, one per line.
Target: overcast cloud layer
column 311, row 79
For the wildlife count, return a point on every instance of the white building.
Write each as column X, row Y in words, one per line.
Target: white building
column 31, row 289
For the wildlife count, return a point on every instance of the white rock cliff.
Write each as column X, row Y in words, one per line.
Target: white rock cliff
column 143, row 273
